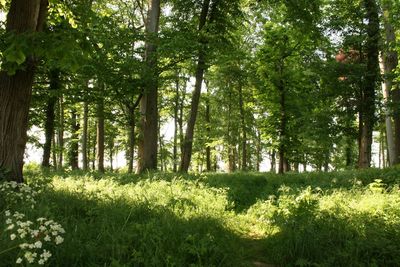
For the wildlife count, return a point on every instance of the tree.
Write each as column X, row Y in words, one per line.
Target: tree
column 389, row 61
column 24, row 18
column 367, row 104
column 55, row 84
column 147, row 151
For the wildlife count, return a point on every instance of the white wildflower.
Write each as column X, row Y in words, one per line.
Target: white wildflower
column 18, row 261
column 12, row 236
column 59, row 240
column 46, row 254
column 24, row 245
column 35, row 233
column 29, row 257
column 38, row 244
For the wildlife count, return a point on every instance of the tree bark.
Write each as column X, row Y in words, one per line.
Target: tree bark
column 176, row 119
column 243, row 128
column 147, row 151
column 258, row 150
column 74, row 144
column 55, row 84
column 54, row 151
column 201, row 66
column 85, row 162
column 283, row 164
column 131, row 138
column 367, row 106
column 273, row 161
column 390, row 90
column 16, row 90
column 208, row 129
column 386, row 87
column 60, row 133
column 100, row 130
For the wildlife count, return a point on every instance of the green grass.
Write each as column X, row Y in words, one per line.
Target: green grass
column 312, row 219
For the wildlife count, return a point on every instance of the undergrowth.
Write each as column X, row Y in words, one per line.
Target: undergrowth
column 314, row 219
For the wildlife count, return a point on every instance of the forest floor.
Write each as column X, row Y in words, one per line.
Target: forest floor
column 347, row 218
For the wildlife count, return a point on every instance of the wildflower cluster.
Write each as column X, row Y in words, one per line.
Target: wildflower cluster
column 34, row 236
column 14, row 193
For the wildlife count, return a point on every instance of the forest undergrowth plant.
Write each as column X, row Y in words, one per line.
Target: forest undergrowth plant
column 31, row 238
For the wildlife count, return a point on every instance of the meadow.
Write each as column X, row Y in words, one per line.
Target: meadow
column 349, row 218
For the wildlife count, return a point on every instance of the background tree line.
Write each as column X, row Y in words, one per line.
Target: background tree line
column 298, row 82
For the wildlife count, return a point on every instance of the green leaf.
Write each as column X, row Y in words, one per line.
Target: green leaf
column 15, row 55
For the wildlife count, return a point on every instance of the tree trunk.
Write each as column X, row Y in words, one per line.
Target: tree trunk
column 50, row 116
column 296, row 167
column 180, row 122
column 367, row 107
column 388, row 65
column 201, row 66
column 131, row 138
column 94, row 150
column 258, row 150
column 176, row 110
column 208, row 129
column 273, row 161
column 100, row 130
column 147, row 151
column 74, row 144
column 54, row 151
column 16, row 89
column 60, row 133
column 85, row 162
column 386, row 87
column 243, row 128
column 283, row 164
column 161, row 147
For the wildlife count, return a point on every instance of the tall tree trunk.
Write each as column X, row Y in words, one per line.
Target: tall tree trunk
column 368, row 90
column 273, row 161
column 85, row 163
column 176, row 111
column 93, row 157
column 388, row 65
column 161, row 147
column 147, row 151
column 131, row 138
column 74, row 144
column 283, row 164
column 111, row 151
column 50, row 116
column 16, row 90
column 386, row 87
column 100, row 130
column 258, row 150
column 60, row 132
column 208, row 129
column 54, row 151
column 201, row 66
column 243, row 128
column 180, row 122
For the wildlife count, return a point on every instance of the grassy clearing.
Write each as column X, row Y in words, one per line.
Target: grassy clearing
column 314, row 219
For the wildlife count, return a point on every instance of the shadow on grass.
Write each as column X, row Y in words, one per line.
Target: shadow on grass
column 118, row 233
